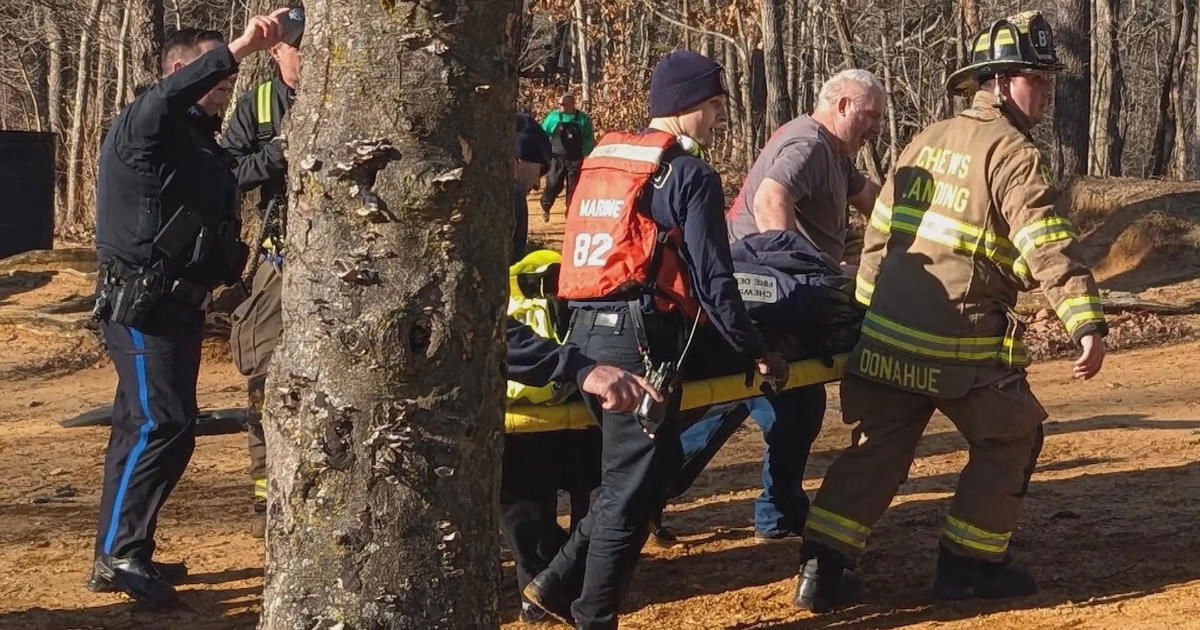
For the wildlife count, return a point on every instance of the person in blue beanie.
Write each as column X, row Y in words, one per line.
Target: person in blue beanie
column 659, row 285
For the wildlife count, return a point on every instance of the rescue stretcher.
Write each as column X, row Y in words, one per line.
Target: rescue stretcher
column 527, row 418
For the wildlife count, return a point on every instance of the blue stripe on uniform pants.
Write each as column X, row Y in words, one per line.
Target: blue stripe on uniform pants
column 139, row 359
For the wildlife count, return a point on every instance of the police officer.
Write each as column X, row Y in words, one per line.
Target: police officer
column 254, row 139
column 166, row 233
column 645, row 250
column 969, row 219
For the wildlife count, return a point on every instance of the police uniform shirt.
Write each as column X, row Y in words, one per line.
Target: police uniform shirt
column 159, row 156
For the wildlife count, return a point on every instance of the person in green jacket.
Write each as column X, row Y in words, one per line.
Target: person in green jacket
column 572, row 138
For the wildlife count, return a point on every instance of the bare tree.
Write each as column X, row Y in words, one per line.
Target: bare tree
column 384, row 412
column 1105, row 150
column 1072, row 89
column 779, row 103
column 72, row 213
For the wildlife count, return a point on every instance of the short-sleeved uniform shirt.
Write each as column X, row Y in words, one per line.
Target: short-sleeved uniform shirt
column 803, row 157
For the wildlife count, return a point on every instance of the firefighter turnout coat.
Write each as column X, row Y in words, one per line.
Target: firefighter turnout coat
column 970, row 218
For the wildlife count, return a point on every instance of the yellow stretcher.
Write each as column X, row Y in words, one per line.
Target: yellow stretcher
column 696, row 394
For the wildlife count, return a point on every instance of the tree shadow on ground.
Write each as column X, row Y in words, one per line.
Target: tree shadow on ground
column 22, row 281
column 206, row 609
column 1096, row 538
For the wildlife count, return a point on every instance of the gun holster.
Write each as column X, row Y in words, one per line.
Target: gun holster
column 127, row 296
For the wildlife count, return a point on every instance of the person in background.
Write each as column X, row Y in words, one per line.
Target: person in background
column 572, row 138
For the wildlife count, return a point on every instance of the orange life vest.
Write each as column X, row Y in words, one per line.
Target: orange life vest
column 609, row 247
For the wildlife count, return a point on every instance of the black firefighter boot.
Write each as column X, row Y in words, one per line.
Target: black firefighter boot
column 826, row 583
column 959, row 577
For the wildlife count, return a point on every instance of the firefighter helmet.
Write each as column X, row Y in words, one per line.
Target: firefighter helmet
column 1020, row 42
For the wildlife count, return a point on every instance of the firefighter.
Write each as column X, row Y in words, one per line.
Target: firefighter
column 645, row 250
column 969, row 219
column 254, row 139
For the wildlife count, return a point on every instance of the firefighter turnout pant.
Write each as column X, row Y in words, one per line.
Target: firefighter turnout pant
column 257, row 323
column 595, row 565
column 153, row 424
column 1002, row 423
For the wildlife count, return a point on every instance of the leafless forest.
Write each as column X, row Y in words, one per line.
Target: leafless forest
column 1126, row 106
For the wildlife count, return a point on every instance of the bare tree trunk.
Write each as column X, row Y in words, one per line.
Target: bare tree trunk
column 779, row 102
column 893, row 140
column 1182, row 146
column 73, row 214
column 146, row 21
column 585, row 81
column 107, row 35
column 54, row 72
column 119, row 94
column 1072, row 89
column 838, row 14
column 1164, row 133
column 1196, row 99
column 384, row 418
column 1106, row 90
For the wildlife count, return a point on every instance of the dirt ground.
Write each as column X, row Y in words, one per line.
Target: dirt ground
column 1110, row 526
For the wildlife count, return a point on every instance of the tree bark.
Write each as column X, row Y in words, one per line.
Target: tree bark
column 1107, row 91
column 385, row 397
column 1164, row 133
column 1072, row 89
column 73, row 214
column 54, row 72
column 779, row 101
column 1182, row 146
column 146, row 22
column 585, row 81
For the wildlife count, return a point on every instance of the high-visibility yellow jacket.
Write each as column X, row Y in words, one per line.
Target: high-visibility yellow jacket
column 970, row 218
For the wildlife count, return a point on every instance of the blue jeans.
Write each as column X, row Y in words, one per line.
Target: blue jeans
column 790, row 424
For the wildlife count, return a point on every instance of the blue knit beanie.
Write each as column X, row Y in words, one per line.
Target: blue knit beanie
column 682, row 80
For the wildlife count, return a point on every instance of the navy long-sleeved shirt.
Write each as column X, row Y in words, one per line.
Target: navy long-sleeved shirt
column 536, row 361
column 686, row 193
column 159, row 156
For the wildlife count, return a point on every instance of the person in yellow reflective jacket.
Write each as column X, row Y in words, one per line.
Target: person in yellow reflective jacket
column 968, row 220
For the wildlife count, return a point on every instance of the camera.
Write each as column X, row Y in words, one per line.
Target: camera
column 651, row 414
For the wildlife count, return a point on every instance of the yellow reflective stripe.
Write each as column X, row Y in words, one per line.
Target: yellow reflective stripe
column 881, row 217
column 977, row 538
column 1002, row 38
column 260, row 488
column 1077, row 311
column 263, row 104
column 1042, row 231
column 948, row 231
column 863, row 289
column 838, row 527
column 926, row 344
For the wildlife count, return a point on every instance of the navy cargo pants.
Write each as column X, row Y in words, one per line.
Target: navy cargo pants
column 153, row 423
column 595, row 565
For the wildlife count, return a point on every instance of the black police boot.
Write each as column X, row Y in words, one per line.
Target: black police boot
column 825, row 582
column 959, row 577
column 545, row 592
column 101, row 578
column 139, row 579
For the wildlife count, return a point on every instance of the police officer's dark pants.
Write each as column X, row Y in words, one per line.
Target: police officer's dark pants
column 564, row 171
column 598, row 560
column 535, row 467
column 153, row 423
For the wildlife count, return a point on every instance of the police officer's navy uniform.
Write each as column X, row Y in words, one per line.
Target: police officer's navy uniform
column 159, row 162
